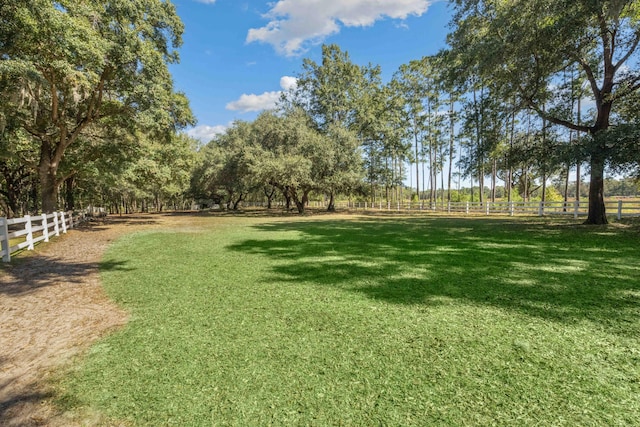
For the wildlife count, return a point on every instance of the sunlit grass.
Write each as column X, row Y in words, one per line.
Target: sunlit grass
column 367, row 321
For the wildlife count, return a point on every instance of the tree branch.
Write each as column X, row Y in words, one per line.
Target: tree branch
column 65, row 177
column 630, row 52
column 555, row 120
column 34, row 132
column 592, row 79
column 54, row 102
column 90, row 116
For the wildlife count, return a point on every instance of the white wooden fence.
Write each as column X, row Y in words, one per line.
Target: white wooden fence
column 619, row 208
column 25, row 232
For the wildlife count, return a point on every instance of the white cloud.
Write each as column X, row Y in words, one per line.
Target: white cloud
column 294, row 24
column 265, row 101
column 206, row 133
column 288, row 82
column 254, row 102
column 206, row 1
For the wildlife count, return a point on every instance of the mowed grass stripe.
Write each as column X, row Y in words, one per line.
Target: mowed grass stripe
column 370, row 322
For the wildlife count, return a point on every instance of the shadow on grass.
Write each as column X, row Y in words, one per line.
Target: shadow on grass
column 561, row 272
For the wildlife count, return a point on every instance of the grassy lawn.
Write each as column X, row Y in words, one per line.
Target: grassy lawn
column 370, row 321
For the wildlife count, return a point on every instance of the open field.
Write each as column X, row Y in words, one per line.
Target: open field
column 341, row 320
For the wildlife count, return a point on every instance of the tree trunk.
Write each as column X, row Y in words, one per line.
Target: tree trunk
column 287, row 198
column 12, row 204
column 566, row 189
column 481, row 185
column 300, row 202
column 12, row 192
column 69, row 186
column 508, row 159
column 415, row 136
column 269, row 195
column 236, row 204
column 509, row 182
column 48, row 186
column 442, row 173
column 525, row 194
column 494, row 172
column 597, row 214
column 578, row 174
column 332, row 202
column 451, row 147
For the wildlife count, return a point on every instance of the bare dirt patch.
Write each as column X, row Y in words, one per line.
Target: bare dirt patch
column 52, row 306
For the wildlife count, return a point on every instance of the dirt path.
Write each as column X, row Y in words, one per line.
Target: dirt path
column 52, row 306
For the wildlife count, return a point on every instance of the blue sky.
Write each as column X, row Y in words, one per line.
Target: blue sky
column 238, row 54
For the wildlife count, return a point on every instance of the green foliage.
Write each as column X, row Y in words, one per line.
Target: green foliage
column 225, row 170
column 290, row 155
column 73, row 66
column 553, row 195
column 285, row 150
column 525, row 48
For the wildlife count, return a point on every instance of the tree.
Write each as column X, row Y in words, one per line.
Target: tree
column 75, row 63
column 289, row 154
column 525, row 46
column 16, row 156
column 228, row 164
column 339, row 170
column 163, row 169
column 333, row 94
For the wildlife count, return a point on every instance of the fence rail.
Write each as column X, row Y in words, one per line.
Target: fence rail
column 25, row 232
column 619, row 208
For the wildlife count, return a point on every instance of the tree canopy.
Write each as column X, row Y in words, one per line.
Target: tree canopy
column 524, row 47
column 526, row 93
column 70, row 66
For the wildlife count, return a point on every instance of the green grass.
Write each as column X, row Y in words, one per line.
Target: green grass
column 415, row 321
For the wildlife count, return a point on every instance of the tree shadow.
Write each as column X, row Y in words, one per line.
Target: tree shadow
column 561, row 272
column 13, row 406
column 39, row 271
column 103, row 223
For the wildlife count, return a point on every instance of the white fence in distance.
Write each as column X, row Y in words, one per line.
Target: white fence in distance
column 617, row 208
column 31, row 229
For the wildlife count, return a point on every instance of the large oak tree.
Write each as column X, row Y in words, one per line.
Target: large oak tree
column 524, row 46
column 74, row 63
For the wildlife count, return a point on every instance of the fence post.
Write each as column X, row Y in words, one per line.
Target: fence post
column 619, row 210
column 541, row 209
column 488, row 207
column 45, row 227
column 510, row 208
column 56, row 225
column 467, row 209
column 4, row 232
column 27, row 227
column 576, row 206
column 448, row 207
column 64, row 222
